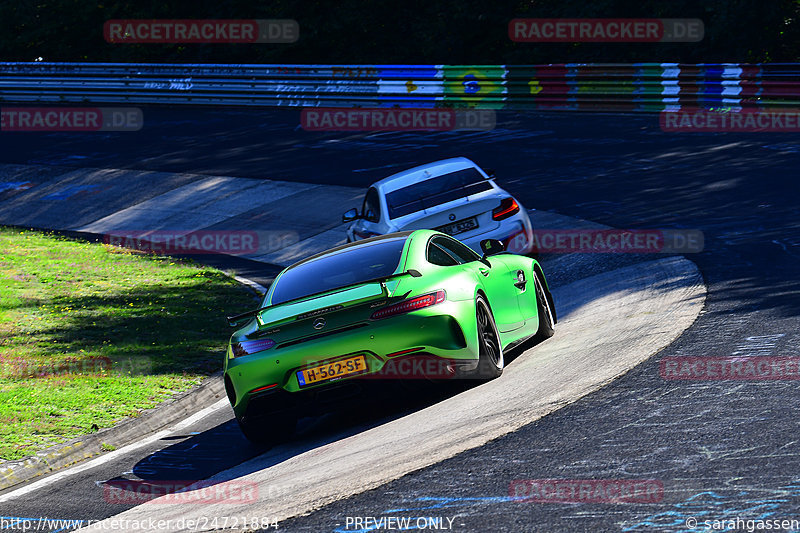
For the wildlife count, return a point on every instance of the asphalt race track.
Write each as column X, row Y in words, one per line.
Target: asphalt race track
column 721, row 449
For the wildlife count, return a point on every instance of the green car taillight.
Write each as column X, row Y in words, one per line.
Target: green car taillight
column 412, row 304
column 247, row 347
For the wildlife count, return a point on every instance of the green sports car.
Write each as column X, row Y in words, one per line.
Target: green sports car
column 416, row 304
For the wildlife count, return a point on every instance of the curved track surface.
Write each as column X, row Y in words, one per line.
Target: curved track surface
column 721, row 449
column 612, row 322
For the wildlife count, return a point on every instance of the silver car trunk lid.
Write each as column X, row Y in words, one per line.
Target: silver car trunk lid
column 456, row 213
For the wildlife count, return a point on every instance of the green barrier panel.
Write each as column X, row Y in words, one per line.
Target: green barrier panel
column 478, row 86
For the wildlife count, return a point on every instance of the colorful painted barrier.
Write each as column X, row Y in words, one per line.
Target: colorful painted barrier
column 645, row 87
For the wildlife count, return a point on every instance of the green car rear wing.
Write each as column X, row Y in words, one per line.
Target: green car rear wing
column 234, row 320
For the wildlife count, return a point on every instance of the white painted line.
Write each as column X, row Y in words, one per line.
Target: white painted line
column 46, row 481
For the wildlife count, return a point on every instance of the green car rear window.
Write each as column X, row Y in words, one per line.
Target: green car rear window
column 346, row 267
column 435, row 191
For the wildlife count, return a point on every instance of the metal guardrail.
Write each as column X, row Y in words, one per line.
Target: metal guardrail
column 630, row 87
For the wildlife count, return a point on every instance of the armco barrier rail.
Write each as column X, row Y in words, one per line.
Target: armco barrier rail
column 628, row 87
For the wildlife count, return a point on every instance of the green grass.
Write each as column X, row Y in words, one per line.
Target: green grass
column 91, row 334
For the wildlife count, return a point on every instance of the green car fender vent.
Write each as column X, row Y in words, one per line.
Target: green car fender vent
column 458, row 333
column 320, row 335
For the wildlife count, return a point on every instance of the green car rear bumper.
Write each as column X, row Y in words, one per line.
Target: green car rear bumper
column 442, row 337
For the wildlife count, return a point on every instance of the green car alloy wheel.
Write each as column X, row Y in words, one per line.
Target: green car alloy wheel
column 410, row 305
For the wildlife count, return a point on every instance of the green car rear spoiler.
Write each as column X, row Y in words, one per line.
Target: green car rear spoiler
column 234, row 320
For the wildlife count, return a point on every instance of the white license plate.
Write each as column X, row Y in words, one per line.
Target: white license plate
column 460, row 227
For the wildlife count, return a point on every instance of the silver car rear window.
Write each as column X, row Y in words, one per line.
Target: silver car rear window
column 435, row 191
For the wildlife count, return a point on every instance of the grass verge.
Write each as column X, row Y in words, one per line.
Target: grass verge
column 91, row 334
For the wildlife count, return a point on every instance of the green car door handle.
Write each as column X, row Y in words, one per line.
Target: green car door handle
column 484, row 271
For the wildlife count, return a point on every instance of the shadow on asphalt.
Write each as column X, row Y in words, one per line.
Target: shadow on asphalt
column 201, row 455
